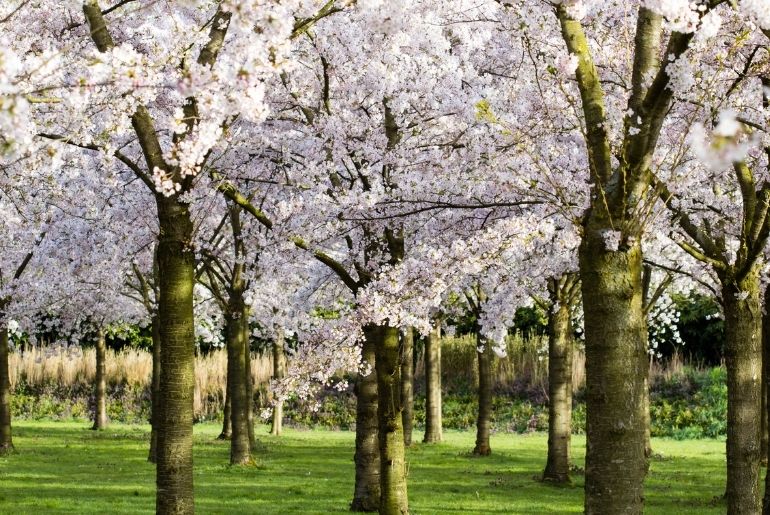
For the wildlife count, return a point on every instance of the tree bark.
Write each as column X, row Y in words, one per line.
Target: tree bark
column 176, row 272
column 560, row 348
column 279, row 372
column 6, row 437
column 615, row 333
column 227, row 413
column 766, row 379
column 366, row 496
column 100, row 383
column 743, row 335
column 249, row 380
column 237, row 362
column 407, row 385
column 647, row 417
column 393, row 492
column 154, row 389
column 433, row 424
column 484, row 419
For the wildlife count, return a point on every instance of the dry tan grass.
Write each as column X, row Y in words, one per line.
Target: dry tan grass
column 40, row 366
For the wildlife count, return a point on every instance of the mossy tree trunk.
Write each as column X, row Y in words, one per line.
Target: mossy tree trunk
column 433, row 423
column 393, row 491
column 154, row 389
column 616, row 338
column 766, row 379
column 560, row 353
column 176, row 272
column 407, row 384
column 100, row 383
column 484, row 417
column 6, row 437
column 366, row 495
column 743, row 335
column 279, row 372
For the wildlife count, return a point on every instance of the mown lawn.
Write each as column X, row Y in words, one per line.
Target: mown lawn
column 62, row 467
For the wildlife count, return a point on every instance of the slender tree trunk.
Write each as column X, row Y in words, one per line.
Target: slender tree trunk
column 154, row 389
column 227, row 413
column 176, row 272
column 237, row 362
column 484, row 419
column 279, row 372
column 433, row 424
column 366, row 496
column 407, row 385
column 743, row 332
column 249, row 380
column 6, row 439
column 100, row 383
column 615, row 333
column 559, row 393
column 393, row 493
column 647, row 418
column 765, row 441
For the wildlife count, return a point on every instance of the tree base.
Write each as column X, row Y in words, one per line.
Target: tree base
column 483, row 450
column 224, row 436
column 364, row 506
column 556, row 478
column 6, row 449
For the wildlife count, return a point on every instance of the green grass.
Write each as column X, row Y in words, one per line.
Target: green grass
column 62, row 467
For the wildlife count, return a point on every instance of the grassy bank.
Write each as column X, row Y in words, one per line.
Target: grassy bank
column 61, row 467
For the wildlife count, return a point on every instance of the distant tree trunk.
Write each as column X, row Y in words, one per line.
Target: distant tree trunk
column 237, row 363
column 743, row 335
column 227, row 413
column 393, row 491
column 154, row 389
column 484, row 419
column 366, row 496
column 433, row 424
column 6, row 439
column 249, row 380
column 647, row 418
column 560, row 347
column 407, row 384
column 176, row 273
column 100, row 383
column 279, row 371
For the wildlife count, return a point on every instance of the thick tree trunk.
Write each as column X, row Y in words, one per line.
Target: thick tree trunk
column 433, row 424
column 6, row 438
column 100, row 383
column 559, row 393
column 154, row 389
column 615, row 333
column 484, row 419
column 237, row 363
column 393, row 493
column 743, row 335
column 176, row 272
column 407, row 385
column 366, row 496
column 766, row 379
column 765, row 441
column 279, row 372
column 227, row 413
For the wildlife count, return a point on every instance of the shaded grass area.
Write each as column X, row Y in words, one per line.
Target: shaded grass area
column 62, row 467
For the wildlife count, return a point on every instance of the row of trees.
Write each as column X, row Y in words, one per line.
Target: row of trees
column 371, row 160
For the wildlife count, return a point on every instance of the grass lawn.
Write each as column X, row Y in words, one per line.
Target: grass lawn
column 62, row 467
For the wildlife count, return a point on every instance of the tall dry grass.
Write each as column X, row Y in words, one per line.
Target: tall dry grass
column 39, row 367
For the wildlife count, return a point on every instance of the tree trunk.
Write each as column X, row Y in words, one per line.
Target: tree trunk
column 407, row 385
column 743, row 335
column 100, row 383
column 366, row 496
column 237, row 363
column 766, row 379
column 6, row 439
column 154, row 389
column 393, row 494
column 433, row 431
column 279, row 372
column 647, row 418
column 249, row 380
column 765, row 441
column 484, row 419
column 615, row 333
column 559, row 393
column 176, row 272
column 227, row 413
